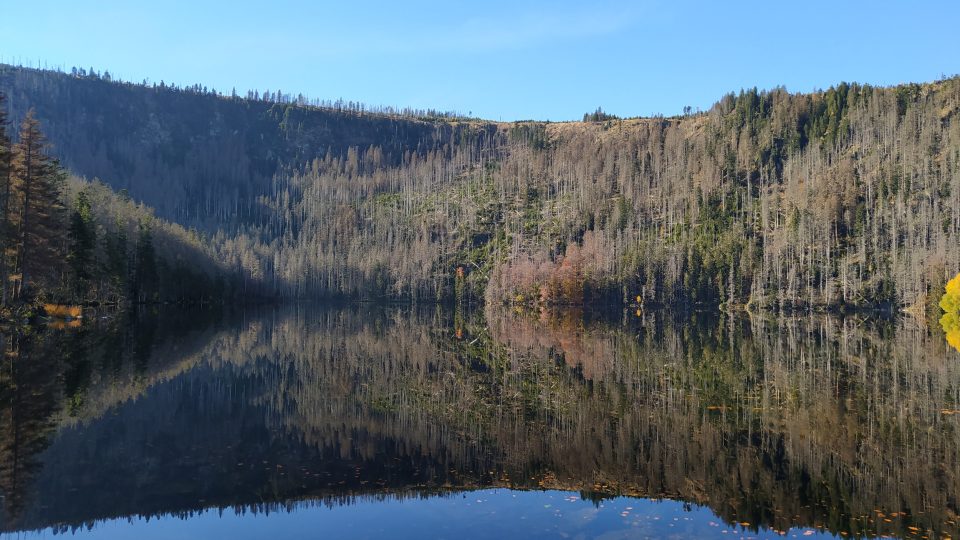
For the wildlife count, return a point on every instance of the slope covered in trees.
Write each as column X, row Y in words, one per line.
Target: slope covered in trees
column 842, row 198
column 63, row 239
column 200, row 158
column 845, row 198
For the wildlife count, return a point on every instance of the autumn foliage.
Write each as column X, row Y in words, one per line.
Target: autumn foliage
column 62, row 311
column 566, row 279
column 950, row 304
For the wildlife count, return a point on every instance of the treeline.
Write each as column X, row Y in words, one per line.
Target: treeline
column 599, row 116
column 270, row 96
column 66, row 240
column 842, row 199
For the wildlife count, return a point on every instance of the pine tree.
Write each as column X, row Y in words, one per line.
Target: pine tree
column 36, row 210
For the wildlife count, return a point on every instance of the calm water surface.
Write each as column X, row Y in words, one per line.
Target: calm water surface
column 432, row 423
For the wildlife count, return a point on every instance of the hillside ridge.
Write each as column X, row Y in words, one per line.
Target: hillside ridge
column 838, row 199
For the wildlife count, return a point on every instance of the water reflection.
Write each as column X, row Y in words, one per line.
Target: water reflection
column 846, row 425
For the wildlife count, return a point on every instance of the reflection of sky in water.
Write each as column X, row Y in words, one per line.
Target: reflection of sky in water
column 494, row 513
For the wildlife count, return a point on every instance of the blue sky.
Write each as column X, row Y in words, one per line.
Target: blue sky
column 497, row 59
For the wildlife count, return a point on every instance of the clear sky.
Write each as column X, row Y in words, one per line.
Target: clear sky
column 499, row 59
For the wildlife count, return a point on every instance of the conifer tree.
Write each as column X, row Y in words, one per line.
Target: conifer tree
column 145, row 278
column 83, row 241
column 115, row 253
column 37, row 212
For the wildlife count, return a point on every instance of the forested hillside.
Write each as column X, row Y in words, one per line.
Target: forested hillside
column 66, row 240
column 841, row 199
column 198, row 157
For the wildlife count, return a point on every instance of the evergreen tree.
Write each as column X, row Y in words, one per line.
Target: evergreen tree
column 115, row 252
column 38, row 212
column 83, row 241
column 145, row 279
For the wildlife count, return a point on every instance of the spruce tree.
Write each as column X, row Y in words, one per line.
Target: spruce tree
column 115, row 251
column 36, row 210
column 145, row 278
column 83, row 241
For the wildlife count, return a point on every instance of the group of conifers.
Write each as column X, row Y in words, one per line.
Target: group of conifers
column 32, row 216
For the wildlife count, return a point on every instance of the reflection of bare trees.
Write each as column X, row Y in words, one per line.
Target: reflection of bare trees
column 814, row 421
column 765, row 420
column 818, row 420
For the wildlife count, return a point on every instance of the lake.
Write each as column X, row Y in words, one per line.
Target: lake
column 430, row 422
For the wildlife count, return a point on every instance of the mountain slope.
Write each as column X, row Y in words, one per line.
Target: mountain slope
column 843, row 199
column 195, row 156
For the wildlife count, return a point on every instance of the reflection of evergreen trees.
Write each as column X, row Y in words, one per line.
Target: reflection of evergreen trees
column 30, row 394
column 775, row 422
column 51, row 377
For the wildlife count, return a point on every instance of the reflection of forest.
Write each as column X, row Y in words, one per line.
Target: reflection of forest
column 783, row 422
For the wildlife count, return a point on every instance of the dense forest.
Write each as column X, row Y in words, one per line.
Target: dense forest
column 847, row 198
column 65, row 239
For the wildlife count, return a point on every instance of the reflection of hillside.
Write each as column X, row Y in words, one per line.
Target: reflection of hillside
column 126, row 359
column 811, row 418
column 813, row 422
column 56, row 376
